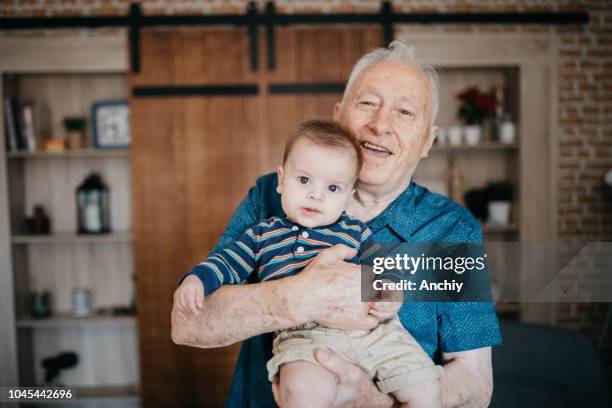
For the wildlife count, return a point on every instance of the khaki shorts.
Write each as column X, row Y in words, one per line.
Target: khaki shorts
column 388, row 353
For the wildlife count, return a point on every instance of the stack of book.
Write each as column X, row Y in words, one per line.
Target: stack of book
column 26, row 123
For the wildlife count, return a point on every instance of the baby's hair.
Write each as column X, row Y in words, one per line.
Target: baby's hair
column 325, row 133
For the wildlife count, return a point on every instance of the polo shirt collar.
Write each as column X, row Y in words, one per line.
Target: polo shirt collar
column 400, row 215
column 288, row 223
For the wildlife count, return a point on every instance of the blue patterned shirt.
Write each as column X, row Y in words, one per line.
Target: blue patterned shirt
column 417, row 215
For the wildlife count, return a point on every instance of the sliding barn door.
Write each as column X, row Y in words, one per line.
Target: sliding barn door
column 192, row 161
column 204, row 126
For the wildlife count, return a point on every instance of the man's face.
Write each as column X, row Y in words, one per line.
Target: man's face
column 316, row 182
column 388, row 108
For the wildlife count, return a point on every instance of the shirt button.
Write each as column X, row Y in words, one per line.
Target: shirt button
column 294, row 228
column 299, row 249
column 305, row 234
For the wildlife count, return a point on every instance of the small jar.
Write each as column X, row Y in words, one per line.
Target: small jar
column 40, row 305
column 81, row 302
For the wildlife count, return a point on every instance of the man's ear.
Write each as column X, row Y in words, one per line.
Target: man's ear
column 281, row 176
column 431, row 137
column 336, row 111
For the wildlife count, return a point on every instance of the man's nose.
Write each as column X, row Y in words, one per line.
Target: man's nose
column 381, row 122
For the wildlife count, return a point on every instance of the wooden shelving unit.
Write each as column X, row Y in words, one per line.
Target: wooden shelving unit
column 67, row 320
column 72, row 238
column 106, row 345
column 76, row 153
column 478, row 147
column 453, row 170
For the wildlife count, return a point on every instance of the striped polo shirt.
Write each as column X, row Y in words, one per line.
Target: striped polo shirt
column 276, row 248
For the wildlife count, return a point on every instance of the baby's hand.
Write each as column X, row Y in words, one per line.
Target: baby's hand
column 190, row 295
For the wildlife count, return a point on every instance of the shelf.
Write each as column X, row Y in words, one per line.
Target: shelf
column 508, row 308
column 499, row 228
column 478, row 147
column 122, row 393
column 67, row 320
column 76, row 153
column 72, row 237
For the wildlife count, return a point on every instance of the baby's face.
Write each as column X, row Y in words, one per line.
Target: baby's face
column 316, row 183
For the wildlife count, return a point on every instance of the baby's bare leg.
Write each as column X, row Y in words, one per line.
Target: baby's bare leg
column 425, row 395
column 306, row 384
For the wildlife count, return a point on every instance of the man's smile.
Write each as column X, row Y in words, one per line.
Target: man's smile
column 374, row 149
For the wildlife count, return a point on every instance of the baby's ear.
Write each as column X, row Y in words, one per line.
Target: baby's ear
column 281, row 176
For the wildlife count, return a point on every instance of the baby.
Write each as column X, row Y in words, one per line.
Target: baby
column 320, row 167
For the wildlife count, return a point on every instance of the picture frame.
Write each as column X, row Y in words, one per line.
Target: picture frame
column 110, row 121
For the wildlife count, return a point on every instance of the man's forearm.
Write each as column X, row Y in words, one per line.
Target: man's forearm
column 463, row 387
column 237, row 312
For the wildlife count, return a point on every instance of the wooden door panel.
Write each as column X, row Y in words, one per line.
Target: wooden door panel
column 191, row 169
column 213, row 56
column 194, row 159
column 194, row 57
column 156, row 66
column 158, row 233
column 221, row 163
column 320, row 53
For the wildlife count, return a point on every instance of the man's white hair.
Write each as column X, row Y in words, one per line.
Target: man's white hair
column 398, row 51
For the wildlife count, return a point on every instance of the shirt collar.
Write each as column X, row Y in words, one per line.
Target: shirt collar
column 288, row 223
column 400, row 215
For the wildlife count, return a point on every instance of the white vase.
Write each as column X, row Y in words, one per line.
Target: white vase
column 499, row 212
column 455, row 135
column 472, row 134
column 506, row 132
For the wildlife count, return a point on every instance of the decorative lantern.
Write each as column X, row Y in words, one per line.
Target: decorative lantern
column 93, row 206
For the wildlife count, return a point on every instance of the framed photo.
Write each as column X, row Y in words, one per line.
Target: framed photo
column 111, row 124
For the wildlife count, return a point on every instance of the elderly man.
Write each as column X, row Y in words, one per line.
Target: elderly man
column 390, row 104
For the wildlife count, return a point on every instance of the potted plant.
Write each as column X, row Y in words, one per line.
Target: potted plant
column 499, row 197
column 475, row 106
column 476, row 201
column 75, row 131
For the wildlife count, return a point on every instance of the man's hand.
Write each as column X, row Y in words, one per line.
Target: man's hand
column 468, row 378
column 384, row 311
column 388, row 304
column 355, row 388
column 331, row 290
column 189, row 296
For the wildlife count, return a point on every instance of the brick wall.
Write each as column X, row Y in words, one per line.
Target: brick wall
column 585, row 97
